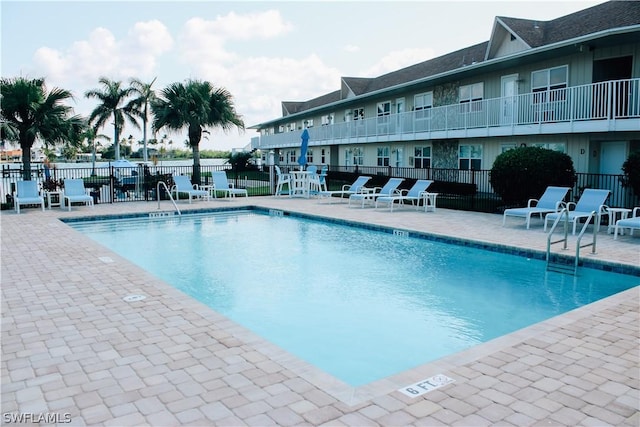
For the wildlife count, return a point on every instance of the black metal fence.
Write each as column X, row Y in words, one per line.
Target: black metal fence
column 457, row 189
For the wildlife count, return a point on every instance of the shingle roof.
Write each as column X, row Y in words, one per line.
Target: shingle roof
column 612, row 14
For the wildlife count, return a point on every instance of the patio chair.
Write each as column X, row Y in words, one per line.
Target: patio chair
column 317, row 182
column 371, row 194
column 632, row 223
column 552, row 200
column 591, row 201
column 414, row 194
column 27, row 193
column 347, row 189
column 220, row 183
column 281, row 180
column 182, row 184
column 74, row 191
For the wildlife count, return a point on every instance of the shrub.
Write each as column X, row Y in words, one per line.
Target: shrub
column 525, row 172
column 631, row 169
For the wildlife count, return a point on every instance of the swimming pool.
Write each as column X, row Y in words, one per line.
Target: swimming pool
column 359, row 303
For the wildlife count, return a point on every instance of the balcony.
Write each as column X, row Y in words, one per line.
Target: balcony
column 599, row 107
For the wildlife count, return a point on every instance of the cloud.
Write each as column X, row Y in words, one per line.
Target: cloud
column 397, row 60
column 258, row 83
column 351, row 48
column 85, row 61
column 261, row 25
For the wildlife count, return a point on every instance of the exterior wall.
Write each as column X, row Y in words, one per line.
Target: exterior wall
column 584, row 150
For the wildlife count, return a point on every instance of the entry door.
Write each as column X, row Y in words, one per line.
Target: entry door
column 399, row 115
column 509, row 90
column 612, row 155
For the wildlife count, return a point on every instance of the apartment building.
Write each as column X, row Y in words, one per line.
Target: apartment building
column 570, row 84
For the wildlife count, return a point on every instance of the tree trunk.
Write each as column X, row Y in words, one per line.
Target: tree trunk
column 26, row 145
column 195, row 133
column 196, row 179
column 116, row 137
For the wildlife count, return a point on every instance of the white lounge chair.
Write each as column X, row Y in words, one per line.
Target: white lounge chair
column 347, row 189
column 632, row 223
column 369, row 195
column 74, row 191
column 222, row 184
column 27, row 193
column 414, row 194
column 281, row 180
column 591, row 201
column 552, row 200
column 182, row 184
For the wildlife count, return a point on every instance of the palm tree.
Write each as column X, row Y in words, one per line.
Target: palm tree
column 29, row 112
column 145, row 95
column 196, row 105
column 112, row 107
column 92, row 138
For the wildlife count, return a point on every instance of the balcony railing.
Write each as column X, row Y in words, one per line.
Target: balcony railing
column 602, row 106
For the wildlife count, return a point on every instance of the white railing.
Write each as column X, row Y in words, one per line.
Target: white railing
column 604, row 102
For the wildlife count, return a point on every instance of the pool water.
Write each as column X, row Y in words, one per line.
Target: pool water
column 360, row 304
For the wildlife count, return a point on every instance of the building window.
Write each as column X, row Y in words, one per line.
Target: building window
column 281, row 129
column 422, row 157
column 326, row 120
column 309, row 156
column 470, row 157
column 422, row 104
column 507, row 147
column 323, row 156
column 280, row 157
column 358, row 156
column 383, row 156
column 555, row 146
column 308, row 123
column 384, row 108
column 549, row 85
column 292, row 156
column 358, row 113
column 471, row 95
column 292, row 126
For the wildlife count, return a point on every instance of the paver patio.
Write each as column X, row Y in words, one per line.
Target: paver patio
column 71, row 345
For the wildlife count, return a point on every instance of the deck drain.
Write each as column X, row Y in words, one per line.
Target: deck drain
column 134, row 298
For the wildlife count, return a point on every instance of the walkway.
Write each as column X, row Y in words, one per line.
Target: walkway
column 71, row 345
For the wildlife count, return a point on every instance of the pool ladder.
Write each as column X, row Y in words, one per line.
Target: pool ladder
column 163, row 184
column 559, row 264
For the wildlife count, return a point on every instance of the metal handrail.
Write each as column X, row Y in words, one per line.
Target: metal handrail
column 170, row 196
column 593, row 242
column 564, row 213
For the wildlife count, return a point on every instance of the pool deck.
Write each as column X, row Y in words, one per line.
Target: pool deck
column 72, row 347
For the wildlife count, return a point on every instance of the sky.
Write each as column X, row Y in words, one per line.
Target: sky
column 262, row 52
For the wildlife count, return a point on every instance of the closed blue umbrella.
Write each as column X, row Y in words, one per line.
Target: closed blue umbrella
column 302, row 160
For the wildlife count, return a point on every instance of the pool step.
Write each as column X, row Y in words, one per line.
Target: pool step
column 562, row 265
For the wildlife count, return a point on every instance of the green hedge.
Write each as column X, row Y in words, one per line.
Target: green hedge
column 525, row 172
